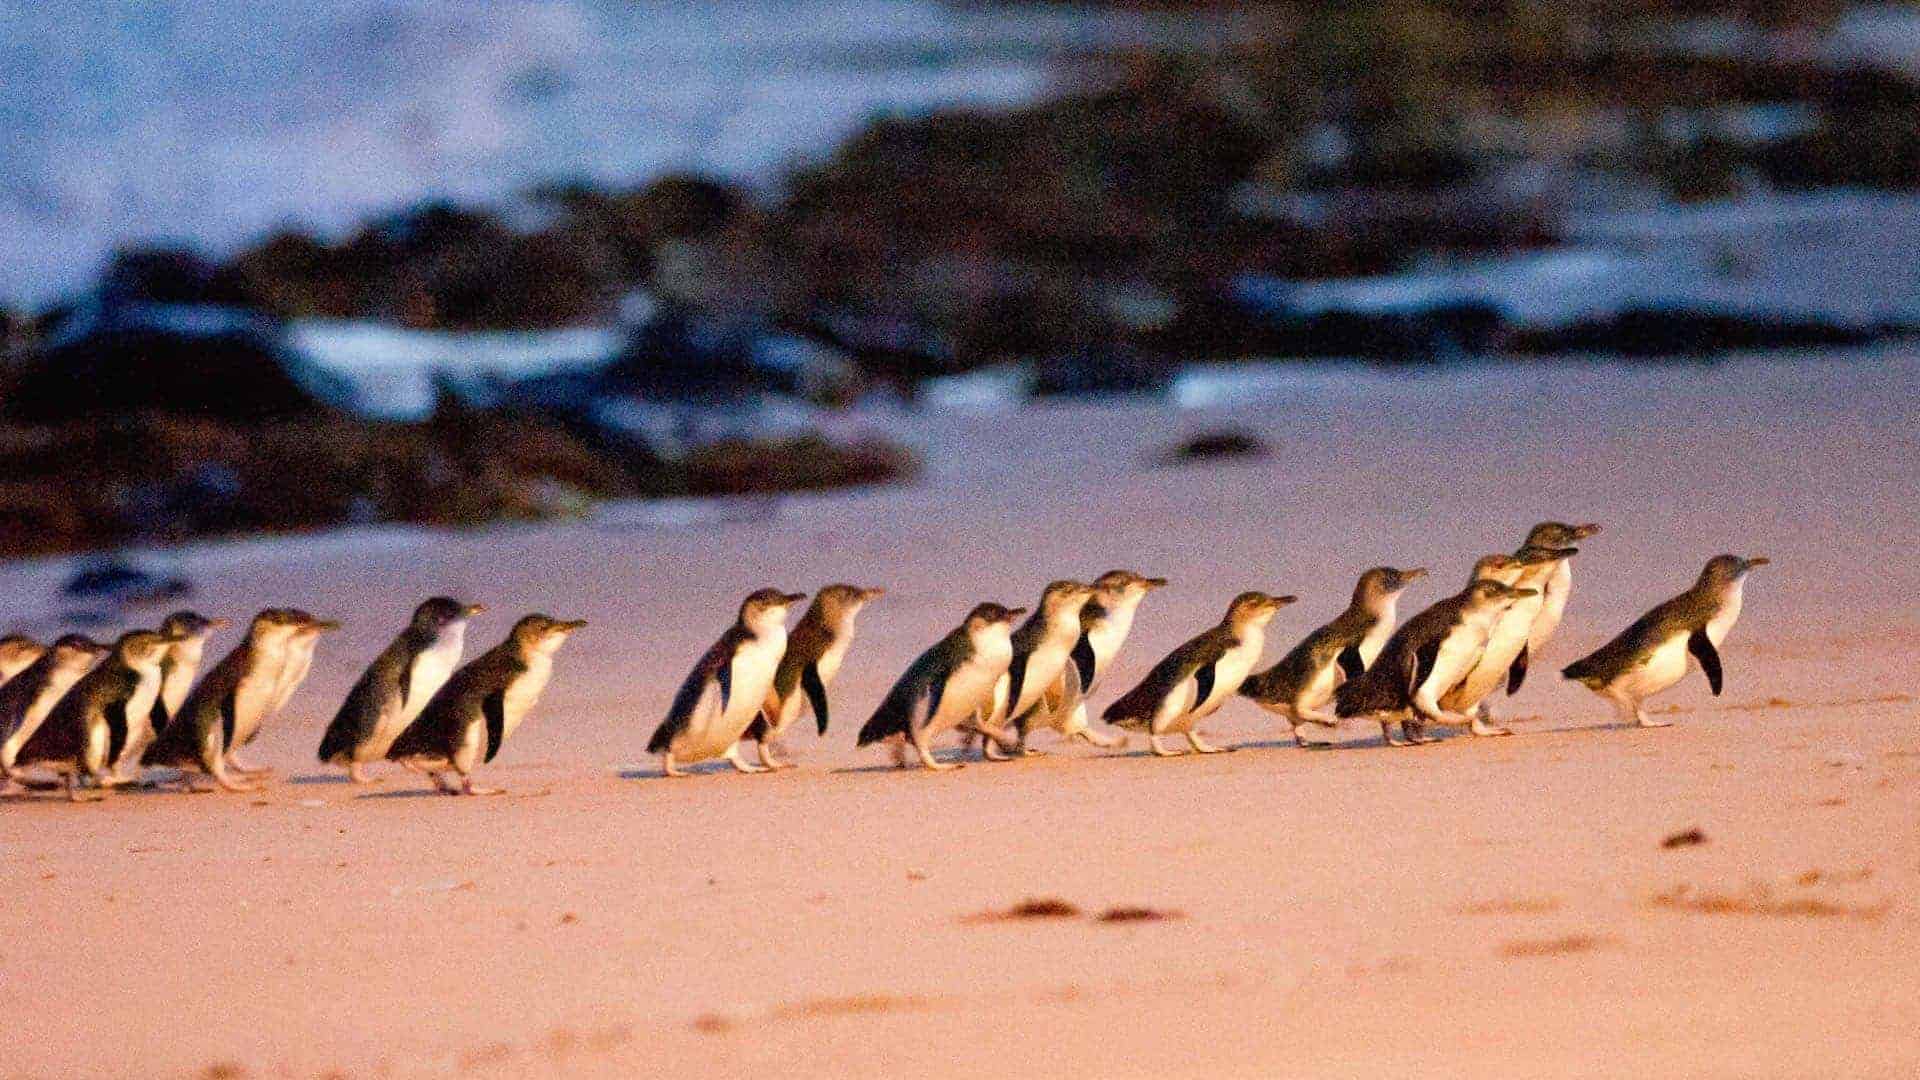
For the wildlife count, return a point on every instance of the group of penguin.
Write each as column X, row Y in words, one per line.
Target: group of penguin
column 93, row 716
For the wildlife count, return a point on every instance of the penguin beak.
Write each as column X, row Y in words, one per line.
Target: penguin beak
column 1757, row 560
column 570, row 627
column 475, row 609
column 1278, row 602
column 1156, row 583
column 215, row 624
column 1014, row 613
column 1581, row 532
column 874, row 593
column 794, row 598
column 1526, row 592
column 323, row 626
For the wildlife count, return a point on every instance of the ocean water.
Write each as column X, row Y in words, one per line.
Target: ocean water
column 215, row 121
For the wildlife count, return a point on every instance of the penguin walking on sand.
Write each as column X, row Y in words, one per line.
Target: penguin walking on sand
column 1654, row 653
column 1429, row 656
column 1503, row 661
column 397, row 685
column 946, row 686
column 177, row 672
column 1105, row 622
column 482, row 705
column 87, row 733
column 816, row 647
column 296, row 660
column 1553, row 595
column 232, row 698
column 1198, row 677
column 17, row 654
column 1300, row 687
column 28, row 697
column 726, row 690
column 1042, row 650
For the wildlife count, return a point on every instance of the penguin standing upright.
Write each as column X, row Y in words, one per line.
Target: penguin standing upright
column 296, row 660
column 1105, row 622
column 1429, row 656
column 231, row 698
column 1301, row 685
column 1554, row 595
column 1503, row 661
column 90, row 728
column 397, row 685
column 1196, row 678
column 945, row 686
column 17, row 654
column 816, row 647
column 177, row 672
column 1655, row 652
column 726, row 690
column 27, row 698
column 1042, row 649
column 482, row 705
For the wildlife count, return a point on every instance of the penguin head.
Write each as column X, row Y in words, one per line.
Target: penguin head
column 1504, row 569
column 143, row 648
column 1559, row 534
column 543, row 633
column 19, row 645
column 1255, row 608
column 77, row 650
column 273, row 626
column 839, row 603
column 306, row 625
column 1064, row 599
column 1723, row 570
column 190, row 624
column 767, row 608
column 1491, row 593
column 992, row 619
column 442, row 613
column 1117, row 587
column 1384, row 582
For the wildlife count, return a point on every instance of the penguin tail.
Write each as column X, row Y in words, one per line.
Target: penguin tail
column 1581, row 671
column 882, row 726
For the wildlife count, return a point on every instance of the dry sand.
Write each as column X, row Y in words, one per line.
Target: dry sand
column 1473, row 908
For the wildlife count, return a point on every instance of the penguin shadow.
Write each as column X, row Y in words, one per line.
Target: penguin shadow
column 319, row 778
column 704, row 768
column 428, row 792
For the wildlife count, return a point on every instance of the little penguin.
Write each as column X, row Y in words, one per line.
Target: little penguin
column 1554, row 596
column 946, row 686
column 482, row 704
column 1301, row 685
column 1196, row 678
column 1042, row 649
column 296, row 660
column 1504, row 660
column 177, row 671
column 1429, row 656
column 17, row 653
column 397, row 685
column 816, row 647
column 726, row 690
column 87, row 733
column 1655, row 652
column 27, row 698
column 1105, row 622
column 233, row 697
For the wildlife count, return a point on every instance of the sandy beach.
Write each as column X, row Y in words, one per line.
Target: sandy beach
column 1479, row 907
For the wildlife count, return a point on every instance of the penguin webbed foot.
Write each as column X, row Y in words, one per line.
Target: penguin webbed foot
column 1153, row 744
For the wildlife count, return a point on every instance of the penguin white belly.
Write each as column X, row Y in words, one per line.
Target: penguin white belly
column 1729, row 613
column 1377, row 635
column 829, row 663
column 1043, row 668
column 36, row 714
column 299, row 663
column 969, row 687
column 1459, row 651
column 1105, row 640
column 1176, row 709
column 430, row 671
column 523, row 692
column 712, row 730
column 1553, row 605
column 140, row 713
column 1665, row 666
column 469, row 747
column 179, row 677
column 94, row 753
column 1508, row 637
column 1320, row 687
column 1229, row 672
column 251, row 700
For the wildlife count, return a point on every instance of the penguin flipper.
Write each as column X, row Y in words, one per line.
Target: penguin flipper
column 816, row 694
column 158, row 716
column 708, row 679
column 229, row 712
column 1016, row 679
column 494, row 708
column 1424, row 661
column 1701, row 646
column 1084, row 660
column 1351, row 663
column 1517, row 674
column 116, row 716
column 1203, row 685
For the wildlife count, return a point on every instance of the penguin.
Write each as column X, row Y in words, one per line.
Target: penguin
column 482, row 704
column 232, row 698
column 397, row 685
column 1196, row 678
column 1430, row 655
column 1655, row 652
column 177, row 672
column 27, row 698
column 1105, row 623
column 945, row 686
column 726, row 690
column 17, row 654
column 1042, row 649
column 1554, row 597
column 815, row 650
column 1504, row 659
column 87, row 733
column 296, row 660
column 1301, row 685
